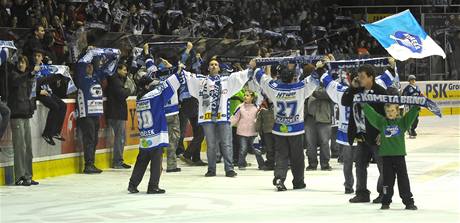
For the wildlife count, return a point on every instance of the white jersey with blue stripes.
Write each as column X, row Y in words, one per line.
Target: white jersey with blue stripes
column 288, row 101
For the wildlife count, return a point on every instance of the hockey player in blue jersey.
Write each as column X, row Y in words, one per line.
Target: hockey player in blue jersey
column 288, row 98
column 213, row 92
column 153, row 129
column 91, row 69
column 171, row 108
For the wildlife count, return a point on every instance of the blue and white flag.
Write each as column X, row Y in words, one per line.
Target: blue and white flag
column 403, row 37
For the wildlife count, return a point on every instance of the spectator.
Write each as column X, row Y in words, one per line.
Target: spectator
column 245, row 120
column 4, row 117
column 34, row 42
column 288, row 128
column 360, row 129
column 22, row 109
column 392, row 150
column 412, row 90
column 57, row 107
column 264, row 125
column 212, row 93
column 318, row 129
column 91, row 70
column 116, row 113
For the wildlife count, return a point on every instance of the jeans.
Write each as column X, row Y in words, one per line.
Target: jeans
column 154, row 157
column 173, row 135
column 219, row 136
column 290, row 149
column 318, row 134
column 22, row 146
column 364, row 153
column 4, row 118
column 348, row 159
column 56, row 114
column 246, row 142
column 89, row 129
column 396, row 166
column 119, row 133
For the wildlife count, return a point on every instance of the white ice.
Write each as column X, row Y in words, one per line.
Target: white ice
column 433, row 166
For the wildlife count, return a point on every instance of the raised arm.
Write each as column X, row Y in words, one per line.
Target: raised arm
column 410, row 117
column 334, row 89
column 373, row 117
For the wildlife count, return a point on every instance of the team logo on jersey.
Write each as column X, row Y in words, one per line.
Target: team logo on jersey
column 143, row 105
column 391, row 131
column 146, row 143
column 410, row 41
column 96, row 90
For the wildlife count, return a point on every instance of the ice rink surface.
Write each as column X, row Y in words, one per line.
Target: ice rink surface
column 433, row 165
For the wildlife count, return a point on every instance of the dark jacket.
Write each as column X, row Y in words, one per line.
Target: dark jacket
column 116, row 106
column 320, row 106
column 371, row 132
column 20, row 89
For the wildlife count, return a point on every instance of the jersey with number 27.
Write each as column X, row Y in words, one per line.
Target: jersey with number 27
column 152, row 124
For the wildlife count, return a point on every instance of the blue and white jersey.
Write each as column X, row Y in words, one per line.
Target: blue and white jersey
column 213, row 93
column 288, row 101
column 151, row 114
column 89, row 94
column 335, row 90
column 387, row 80
column 172, row 106
column 412, row 90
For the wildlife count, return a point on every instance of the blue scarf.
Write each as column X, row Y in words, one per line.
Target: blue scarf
column 402, row 100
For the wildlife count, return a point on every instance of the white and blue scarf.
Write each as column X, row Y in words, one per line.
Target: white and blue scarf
column 402, row 100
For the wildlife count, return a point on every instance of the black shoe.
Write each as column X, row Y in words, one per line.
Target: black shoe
column 49, row 140
column 349, row 190
column 210, row 174
column 177, row 169
column 411, row 207
column 155, row 191
column 186, row 160
column 230, row 173
column 59, row 137
column 378, row 200
column 299, row 186
column 360, row 199
column 33, row 182
column 326, row 168
column 310, row 168
column 22, row 182
column 122, row 166
column 279, row 184
column 268, row 168
column 385, row 207
column 132, row 189
column 199, row 163
column 91, row 169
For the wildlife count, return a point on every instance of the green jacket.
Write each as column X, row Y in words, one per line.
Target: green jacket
column 392, row 141
column 235, row 101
